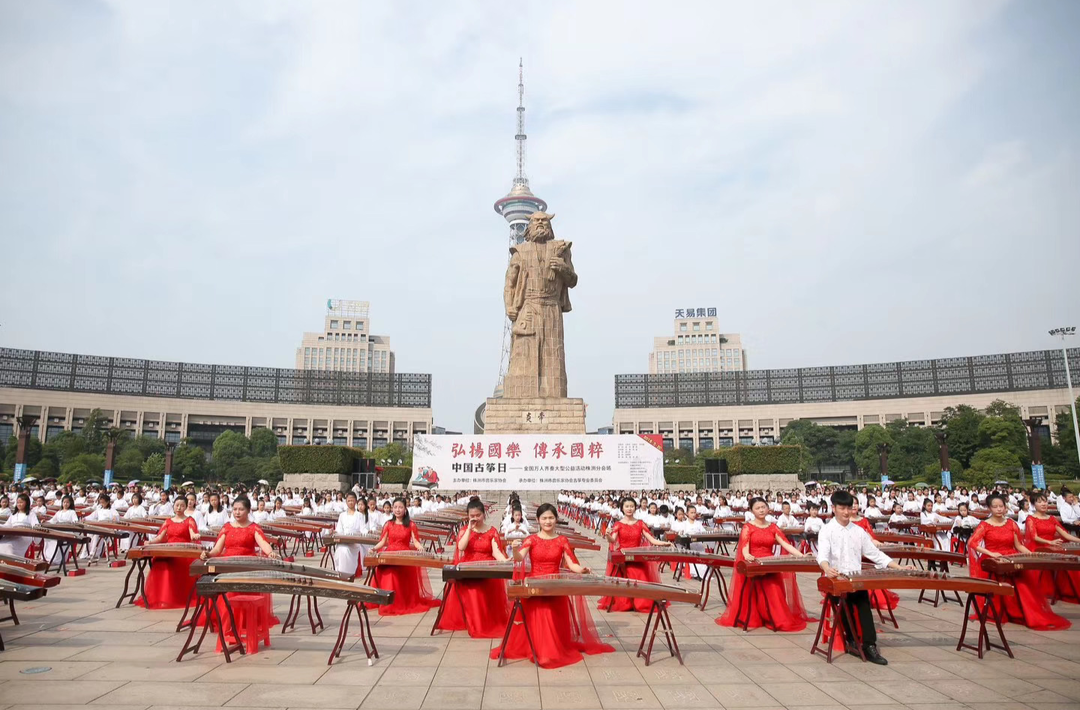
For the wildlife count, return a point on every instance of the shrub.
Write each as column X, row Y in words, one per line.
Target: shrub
column 396, row 474
column 316, row 459
column 758, row 459
column 684, row 474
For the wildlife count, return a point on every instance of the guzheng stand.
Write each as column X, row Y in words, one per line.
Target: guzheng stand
column 312, row 613
column 748, row 590
column 713, row 572
column 448, row 585
column 943, row 567
column 139, row 570
column 365, row 632
column 64, row 549
column 209, row 606
column 983, row 642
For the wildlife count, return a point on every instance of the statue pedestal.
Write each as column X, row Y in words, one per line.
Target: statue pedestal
column 535, row 415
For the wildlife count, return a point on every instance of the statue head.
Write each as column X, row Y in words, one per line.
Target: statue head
column 539, row 229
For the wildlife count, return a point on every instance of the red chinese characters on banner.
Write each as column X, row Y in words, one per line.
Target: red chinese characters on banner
column 577, row 451
column 495, row 451
column 476, row 450
column 457, row 450
column 513, row 451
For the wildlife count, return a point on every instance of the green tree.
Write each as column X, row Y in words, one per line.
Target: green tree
column 33, row 453
column 189, row 463
column 154, row 466
column 82, row 468
column 94, row 432
column 229, row 447
column 932, row 472
column 913, row 449
column 64, row 447
column 128, row 464
column 962, row 425
column 820, row 443
column 1001, row 408
column 991, row 464
column 1006, row 432
column 845, row 448
column 1060, row 455
column 269, row 469
column 396, row 455
column 146, row 445
column 263, row 443
column 45, row 468
column 866, row 449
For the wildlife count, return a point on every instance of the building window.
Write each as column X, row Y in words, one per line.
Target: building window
column 708, row 325
column 333, row 325
column 682, row 327
column 346, row 325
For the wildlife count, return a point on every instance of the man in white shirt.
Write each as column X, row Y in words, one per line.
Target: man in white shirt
column 841, row 549
column 1069, row 508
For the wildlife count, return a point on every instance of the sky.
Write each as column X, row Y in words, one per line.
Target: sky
column 846, row 182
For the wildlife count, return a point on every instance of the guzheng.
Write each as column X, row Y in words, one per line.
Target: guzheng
column 565, row 584
column 901, row 539
column 674, row 555
column 253, row 563
column 350, row 539
column 910, row 579
column 24, row 563
column 1042, row 561
column 43, row 533
column 708, row 537
column 20, row 592
column 25, row 576
column 273, row 582
column 480, row 569
column 926, row 554
column 935, row 528
column 406, row 558
column 773, row 565
column 793, row 532
column 190, row 550
column 1071, row 548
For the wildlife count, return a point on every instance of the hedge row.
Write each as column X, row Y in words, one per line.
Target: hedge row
column 396, row 474
column 675, row 474
column 317, row 459
column 757, row 459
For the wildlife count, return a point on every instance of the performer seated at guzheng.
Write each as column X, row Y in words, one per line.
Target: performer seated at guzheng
column 559, row 634
column 879, row 598
column 66, row 514
column 354, row 521
column 812, row 526
column 169, row 583
column 1044, row 533
column 631, row 532
column 841, row 547
column 412, row 593
column 240, row 537
column 942, row 540
column 997, row 536
column 778, row 592
column 484, row 600
column 23, row 516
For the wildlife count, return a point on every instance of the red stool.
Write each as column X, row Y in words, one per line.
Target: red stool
column 252, row 613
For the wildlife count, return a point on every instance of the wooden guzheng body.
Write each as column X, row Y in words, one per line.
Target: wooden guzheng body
column 480, row 569
column 255, row 563
column 19, row 575
column 145, row 555
column 13, row 592
column 1009, row 565
column 682, row 555
column 333, row 539
column 901, row 539
column 706, row 537
column 565, row 584
column 24, row 563
column 781, row 563
column 210, row 588
column 43, row 532
column 406, row 558
column 1071, row 548
column 926, row 554
column 836, row 591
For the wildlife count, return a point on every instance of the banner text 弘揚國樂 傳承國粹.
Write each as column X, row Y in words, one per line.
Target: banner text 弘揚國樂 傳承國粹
column 537, row 462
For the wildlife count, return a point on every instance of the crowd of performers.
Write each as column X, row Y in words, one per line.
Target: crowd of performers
column 838, row 528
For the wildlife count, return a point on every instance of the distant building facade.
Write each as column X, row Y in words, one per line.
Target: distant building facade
column 345, row 344
column 714, row 409
column 696, row 345
column 176, row 400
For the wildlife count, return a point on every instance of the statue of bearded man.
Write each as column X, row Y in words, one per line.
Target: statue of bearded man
column 536, row 295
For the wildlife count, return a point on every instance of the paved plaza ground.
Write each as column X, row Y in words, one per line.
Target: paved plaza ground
column 74, row 648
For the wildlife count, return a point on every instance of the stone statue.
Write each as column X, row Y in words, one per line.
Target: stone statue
column 538, row 281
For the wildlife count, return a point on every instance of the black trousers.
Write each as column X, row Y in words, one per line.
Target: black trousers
column 864, row 614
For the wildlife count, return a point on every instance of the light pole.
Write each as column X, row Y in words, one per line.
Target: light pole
column 1064, row 333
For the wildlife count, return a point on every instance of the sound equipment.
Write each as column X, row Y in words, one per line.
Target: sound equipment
column 836, row 603
column 716, row 474
column 210, row 589
column 565, row 584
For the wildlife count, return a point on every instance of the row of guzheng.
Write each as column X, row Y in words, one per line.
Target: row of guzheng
column 1009, row 565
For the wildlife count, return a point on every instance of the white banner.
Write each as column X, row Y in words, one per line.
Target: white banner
column 537, row 462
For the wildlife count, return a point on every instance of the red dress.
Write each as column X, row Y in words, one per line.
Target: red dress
column 561, row 627
column 169, row 584
column 1029, row 607
column 778, row 592
column 879, row 598
column 412, row 594
column 254, row 613
column 1063, row 585
column 631, row 536
column 484, row 601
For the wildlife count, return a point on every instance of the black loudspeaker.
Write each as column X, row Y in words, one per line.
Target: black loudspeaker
column 716, row 473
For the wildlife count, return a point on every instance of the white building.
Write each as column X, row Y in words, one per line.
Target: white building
column 697, row 345
column 345, row 344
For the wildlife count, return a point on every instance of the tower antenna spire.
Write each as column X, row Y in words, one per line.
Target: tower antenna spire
column 520, row 178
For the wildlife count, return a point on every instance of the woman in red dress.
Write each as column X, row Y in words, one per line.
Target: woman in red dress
column 997, row 537
column 412, row 594
column 776, row 592
column 560, row 635
column 1044, row 533
column 628, row 533
column 477, row 605
column 169, row 584
column 879, row 598
column 241, row 537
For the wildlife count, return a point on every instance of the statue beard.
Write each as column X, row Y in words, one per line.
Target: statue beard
column 540, row 234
